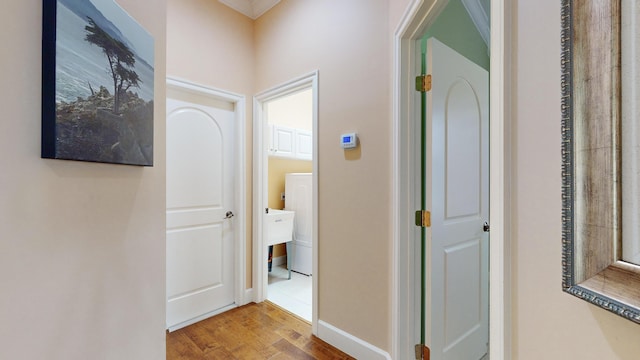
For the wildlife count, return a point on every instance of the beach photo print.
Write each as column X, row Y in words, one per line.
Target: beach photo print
column 97, row 84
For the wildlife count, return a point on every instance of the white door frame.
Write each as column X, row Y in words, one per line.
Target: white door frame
column 240, row 179
column 406, row 178
column 260, row 185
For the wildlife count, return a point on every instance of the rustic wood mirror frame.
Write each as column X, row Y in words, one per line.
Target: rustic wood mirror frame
column 591, row 159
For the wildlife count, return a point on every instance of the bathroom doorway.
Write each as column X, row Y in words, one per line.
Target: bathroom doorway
column 285, row 184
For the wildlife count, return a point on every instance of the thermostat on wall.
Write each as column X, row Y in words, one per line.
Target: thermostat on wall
column 349, row 141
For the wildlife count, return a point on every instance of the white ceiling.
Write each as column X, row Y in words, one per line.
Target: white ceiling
column 251, row 8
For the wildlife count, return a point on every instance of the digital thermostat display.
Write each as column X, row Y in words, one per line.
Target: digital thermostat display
column 349, row 141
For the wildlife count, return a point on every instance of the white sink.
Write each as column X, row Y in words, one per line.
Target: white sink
column 278, row 225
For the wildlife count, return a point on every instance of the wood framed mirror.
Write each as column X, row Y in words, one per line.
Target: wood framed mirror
column 593, row 94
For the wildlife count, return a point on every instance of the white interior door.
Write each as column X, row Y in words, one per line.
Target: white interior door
column 458, row 260
column 200, row 190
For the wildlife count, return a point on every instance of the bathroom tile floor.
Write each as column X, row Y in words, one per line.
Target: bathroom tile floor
column 292, row 295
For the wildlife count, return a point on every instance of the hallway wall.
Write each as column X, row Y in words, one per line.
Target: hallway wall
column 82, row 250
column 351, row 49
column 547, row 323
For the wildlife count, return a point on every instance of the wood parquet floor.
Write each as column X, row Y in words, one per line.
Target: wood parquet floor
column 251, row 332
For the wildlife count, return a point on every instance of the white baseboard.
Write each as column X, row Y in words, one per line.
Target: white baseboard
column 350, row 344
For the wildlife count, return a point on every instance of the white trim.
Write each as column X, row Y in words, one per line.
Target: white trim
column 403, row 306
column 499, row 187
column 350, row 344
column 248, row 296
column 260, row 192
column 316, row 207
column 419, row 16
column 240, row 209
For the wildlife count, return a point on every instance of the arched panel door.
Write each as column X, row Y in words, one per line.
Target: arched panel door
column 200, row 251
column 457, row 306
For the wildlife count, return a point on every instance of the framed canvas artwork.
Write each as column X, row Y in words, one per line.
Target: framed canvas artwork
column 97, row 84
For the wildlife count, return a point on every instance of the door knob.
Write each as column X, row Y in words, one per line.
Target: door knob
column 485, row 227
column 229, row 215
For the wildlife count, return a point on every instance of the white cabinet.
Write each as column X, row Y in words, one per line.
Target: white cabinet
column 283, row 141
column 289, row 142
column 304, row 144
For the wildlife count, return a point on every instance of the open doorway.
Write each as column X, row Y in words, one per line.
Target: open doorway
column 290, row 167
column 454, row 183
column 285, row 196
column 416, row 22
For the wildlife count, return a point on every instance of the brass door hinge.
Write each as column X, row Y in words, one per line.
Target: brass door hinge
column 422, row 352
column 423, row 83
column 423, row 218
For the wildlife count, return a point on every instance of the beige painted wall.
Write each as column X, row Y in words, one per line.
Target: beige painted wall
column 351, row 49
column 82, row 245
column 547, row 323
column 210, row 44
column 278, row 168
